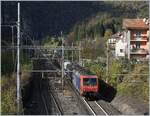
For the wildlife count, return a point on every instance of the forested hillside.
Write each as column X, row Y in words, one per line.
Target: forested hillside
column 49, row 18
column 96, row 29
column 108, row 20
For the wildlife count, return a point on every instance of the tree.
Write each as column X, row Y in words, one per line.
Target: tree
column 113, row 70
column 7, row 66
column 50, row 41
column 108, row 34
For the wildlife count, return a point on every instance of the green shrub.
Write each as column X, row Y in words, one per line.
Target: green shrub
column 8, row 96
column 114, row 68
column 136, row 84
column 8, row 93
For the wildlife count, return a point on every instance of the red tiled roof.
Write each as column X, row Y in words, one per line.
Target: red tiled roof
column 134, row 24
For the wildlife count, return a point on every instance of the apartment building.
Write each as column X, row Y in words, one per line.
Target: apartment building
column 136, row 33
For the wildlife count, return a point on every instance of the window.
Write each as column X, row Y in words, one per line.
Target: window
column 138, row 44
column 138, row 35
column 121, row 50
column 89, row 81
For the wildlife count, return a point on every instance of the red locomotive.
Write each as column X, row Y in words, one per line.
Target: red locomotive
column 83, row 80
column 88, row 85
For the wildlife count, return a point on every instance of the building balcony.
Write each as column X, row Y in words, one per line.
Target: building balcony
column 143, row 39
column 142, row 35
column 138, row 51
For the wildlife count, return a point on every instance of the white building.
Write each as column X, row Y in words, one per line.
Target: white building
column 112, row 41
column 120, row 48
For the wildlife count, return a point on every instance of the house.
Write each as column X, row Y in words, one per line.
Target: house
column 121, row 47
column 136, row 33
column 112, row 43
column 118, row 45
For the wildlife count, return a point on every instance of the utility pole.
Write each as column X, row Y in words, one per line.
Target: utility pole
column 62, row 61
column 72, row 53
column 128, row 39
column 80, row 53
column 107, row 63
column 13, row 52
column 67, row 55
column 149, row 45
column 18, row 60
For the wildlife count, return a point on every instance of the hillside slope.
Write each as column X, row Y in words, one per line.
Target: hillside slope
column 49, row 18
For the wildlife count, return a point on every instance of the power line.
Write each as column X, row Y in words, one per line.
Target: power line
column 69, row 48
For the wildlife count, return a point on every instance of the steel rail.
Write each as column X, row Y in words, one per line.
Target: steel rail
column 55, row 102
column 46, row 109
column 50, row 94
column 101, row 108
column 92, row 109
column 60, row 110
column 44, row 102
column 56, row 105
column 89, row 106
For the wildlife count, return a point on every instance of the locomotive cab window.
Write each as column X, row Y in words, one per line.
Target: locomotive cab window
column 89, row 81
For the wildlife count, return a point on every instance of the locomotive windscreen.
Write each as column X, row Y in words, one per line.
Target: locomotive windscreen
column 89, row 81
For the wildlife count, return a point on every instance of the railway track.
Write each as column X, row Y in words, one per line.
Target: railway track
column 43, row 99
column 51, row 106
column 47, row 99
column 55, row 88
column 95, row 107
column 57, row 105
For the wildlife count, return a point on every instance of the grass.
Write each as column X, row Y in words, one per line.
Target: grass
column 8, row 95
column 8, row 91
column 136, row 85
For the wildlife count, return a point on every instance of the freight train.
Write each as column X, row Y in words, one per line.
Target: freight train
column 85, row 82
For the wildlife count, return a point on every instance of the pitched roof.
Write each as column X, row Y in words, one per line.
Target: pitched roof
column 134, row 24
